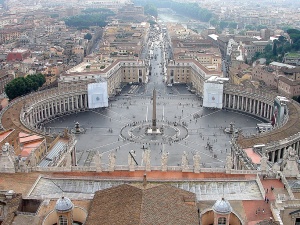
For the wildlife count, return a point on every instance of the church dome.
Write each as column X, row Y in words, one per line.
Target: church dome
column 222, row 207
column 64, row 204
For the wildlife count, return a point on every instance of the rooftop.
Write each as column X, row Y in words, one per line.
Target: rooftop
column 126, row 204
column 278, row 64
column 253, row 155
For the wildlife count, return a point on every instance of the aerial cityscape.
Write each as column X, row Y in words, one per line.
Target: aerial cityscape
column 126, row 112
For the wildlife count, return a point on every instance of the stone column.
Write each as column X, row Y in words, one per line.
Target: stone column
column 278, row 155
column 257, row 107
column 293, row 146
column 31, row 118
column 80, row 96
column 39, row 113
column 35, row 116
column 273, row 156
column 61, row 105
column 224, row 100
column 86, row 101
column 58, row 106
column 250, row 105
column 42, row 112
column 45, row 111
column 68, row 99
column 234, row 102
column 77, row 102
column 243, row 106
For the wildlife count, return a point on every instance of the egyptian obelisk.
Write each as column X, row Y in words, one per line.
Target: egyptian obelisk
column 154, row 129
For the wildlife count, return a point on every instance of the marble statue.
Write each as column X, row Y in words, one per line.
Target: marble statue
column 290, row 164
column 112, row 161
column 131, row 162
column 197, row 159
column 147, row 160
column 184, row 162
column 164, row 161
column 97, row 158
column 229, row 163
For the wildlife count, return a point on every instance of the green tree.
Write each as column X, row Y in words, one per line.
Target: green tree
column 249, row 27
column 88, row 36
column 223, row 24
column 214, row 22
column 275, row 48
column 150, row 9
column 90, row 17
column 21, row 86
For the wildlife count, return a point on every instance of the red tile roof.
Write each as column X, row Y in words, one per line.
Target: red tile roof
column 253, row 155
column 126, row 204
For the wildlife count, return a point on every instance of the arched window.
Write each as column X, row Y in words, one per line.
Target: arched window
column 221, row 221
column 62, row 220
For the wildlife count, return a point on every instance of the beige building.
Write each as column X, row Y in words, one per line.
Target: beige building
column 32, row 147
column 5, row 78
column 190, row 72
column 288, row 87
column 255, row 46
column 237, row 76
column 9, row 35
column 265, row 74
column 114, row 72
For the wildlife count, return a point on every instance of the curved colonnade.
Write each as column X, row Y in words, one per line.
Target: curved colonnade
column 52, row 103
column 43, row 106
column 260, row 104
column 257, row 103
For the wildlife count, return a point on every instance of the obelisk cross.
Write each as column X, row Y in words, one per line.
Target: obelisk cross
column 154, row 111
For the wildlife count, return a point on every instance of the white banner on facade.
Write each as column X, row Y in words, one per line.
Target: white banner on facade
column 213, row 93
column 97, row 95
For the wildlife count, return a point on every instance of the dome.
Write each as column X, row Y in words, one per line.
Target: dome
column 64, row 205
column 222, row 207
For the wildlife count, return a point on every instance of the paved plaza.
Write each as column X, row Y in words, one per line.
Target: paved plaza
column 204, row 127
column 187, row 126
